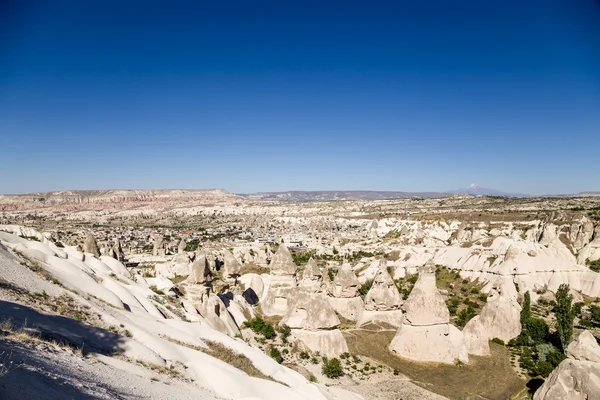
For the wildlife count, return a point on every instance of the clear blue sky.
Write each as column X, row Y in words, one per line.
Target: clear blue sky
column 256, row 96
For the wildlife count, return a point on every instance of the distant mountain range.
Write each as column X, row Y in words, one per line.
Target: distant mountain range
column 476, row 190
column 331, row 195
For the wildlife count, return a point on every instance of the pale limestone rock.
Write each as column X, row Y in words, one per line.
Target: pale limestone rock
column 476, row 337
column 571, row 380
column 349, row 308
column 214, row 311
column 345, row 283
column 436, row 343
column 282, row 262
column 425, row 305
column 232, row 266
column 328, row 343
column 310, row 312
column 584, row 348
column 253, row 282
column 278, row 299
column 117, row 250
column 391, row 317
column 159, row 245
column 200, row 272
column 501, row 314
column 90, row 245
column 181, row 247
column 425, row 334
column 383, row 295
column 312, row 277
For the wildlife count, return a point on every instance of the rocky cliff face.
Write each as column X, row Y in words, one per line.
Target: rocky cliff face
column 92, row 199
column 577, row 377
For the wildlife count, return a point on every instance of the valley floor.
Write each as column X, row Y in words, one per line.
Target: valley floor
column 490, row 378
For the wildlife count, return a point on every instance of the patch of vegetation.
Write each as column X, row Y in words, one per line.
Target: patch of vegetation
column 192, row 245
column 34, row 238
column 332, row 368
column 537, row 348
column 490, row 377
column 593, row 265
column 331, row 273
column 179, row 279
column 365, row 287
column 464, row 316
column 259, row 326
column 251, row 268
column 302, row 257
column 156, row 290
column 285, row 331
column 233, row 358
column 276, row 354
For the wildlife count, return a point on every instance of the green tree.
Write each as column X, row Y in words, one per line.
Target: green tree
column 526, row 311
column 565, row 315
column 332, row 368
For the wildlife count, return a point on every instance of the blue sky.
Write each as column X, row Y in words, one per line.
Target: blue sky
column 267, row 96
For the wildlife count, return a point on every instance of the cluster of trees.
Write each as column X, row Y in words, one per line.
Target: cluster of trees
column 541, row 350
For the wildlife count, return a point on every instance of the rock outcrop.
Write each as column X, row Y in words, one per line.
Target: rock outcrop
column 345, row 294
column 383, row 301
column 158, row 245
column 578, row 376
column 90, row 245
column 282, row 283
column 500, row 316
column 314, row 322
column 117, row 251
column 232, row 267
column 181, row 247
column 426, row 333
column 476, row 337
column 584, row 348
column 312, row 277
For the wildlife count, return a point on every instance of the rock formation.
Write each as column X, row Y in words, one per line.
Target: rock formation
column 314, row 323
column 584, row 348
column 312, row 277
column 383, row 301
column 117, row 251
column 282, row 283
column 232, row 267
column 426, row 334
column 159, row 245
column 578, row 376
column 500, row 316
column 345, row 295
column 181, row 247
column 476, row 337
column 90, row 245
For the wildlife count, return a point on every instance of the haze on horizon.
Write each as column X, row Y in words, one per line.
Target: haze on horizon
column 270, row 96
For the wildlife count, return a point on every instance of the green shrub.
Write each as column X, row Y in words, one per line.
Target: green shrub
column 285, row 332
column 595, row 310
column 498, row 341
column 332, row 368
column 276, row 354
column 258, row 325
column 365, row 287
column 304, row 355
column 465, row 315
column 542, row 368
